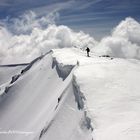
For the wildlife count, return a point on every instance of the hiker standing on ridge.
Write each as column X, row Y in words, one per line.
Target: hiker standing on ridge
column 88, row 50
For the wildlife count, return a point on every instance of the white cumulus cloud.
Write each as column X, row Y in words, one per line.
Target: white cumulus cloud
column 124, row 41
column 18, row 48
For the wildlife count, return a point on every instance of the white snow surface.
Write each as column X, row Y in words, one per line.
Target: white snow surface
column 112, row 92
column 40, row 104
column 7, row 72
column 64, row 95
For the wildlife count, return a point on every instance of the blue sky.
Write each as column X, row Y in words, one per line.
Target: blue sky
column 96, row 17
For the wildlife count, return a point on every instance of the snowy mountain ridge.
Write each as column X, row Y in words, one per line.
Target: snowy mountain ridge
column 65, row 95
column 55, row 102
column 111, row 90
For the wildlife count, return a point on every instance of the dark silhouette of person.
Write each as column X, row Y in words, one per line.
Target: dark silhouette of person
column 88, row 50
column 59, row 99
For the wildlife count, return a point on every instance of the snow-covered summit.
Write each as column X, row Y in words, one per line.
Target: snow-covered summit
column 111, row 91
column 66, row 95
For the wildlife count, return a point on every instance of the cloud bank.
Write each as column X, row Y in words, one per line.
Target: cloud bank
column 30, row 36
column 33, row 39
column 124, row 41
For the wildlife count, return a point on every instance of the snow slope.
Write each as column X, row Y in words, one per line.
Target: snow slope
column 7, row 71
column 110, row 91
column 64, row 95
column 39, row 103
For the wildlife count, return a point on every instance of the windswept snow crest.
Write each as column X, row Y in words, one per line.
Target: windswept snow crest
column 4, row 88
column 109, row 91
column 33, row 109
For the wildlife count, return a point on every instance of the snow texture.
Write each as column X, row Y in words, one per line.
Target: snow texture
column 30, row 103
column 108, row 90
